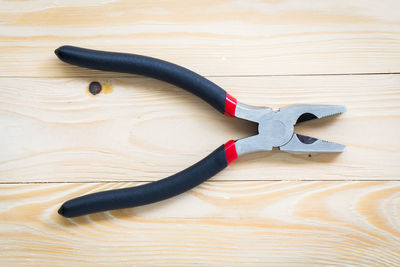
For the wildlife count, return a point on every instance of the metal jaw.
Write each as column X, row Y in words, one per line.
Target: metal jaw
column 276, row 129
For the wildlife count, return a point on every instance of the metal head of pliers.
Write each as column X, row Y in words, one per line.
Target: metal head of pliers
column 276, row 129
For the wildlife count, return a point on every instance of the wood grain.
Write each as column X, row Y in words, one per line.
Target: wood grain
column 216, row 37
column 228, row 223
column 54, row 130
column 58, row 141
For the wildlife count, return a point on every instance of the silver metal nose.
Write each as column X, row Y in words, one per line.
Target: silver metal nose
column 305, row 144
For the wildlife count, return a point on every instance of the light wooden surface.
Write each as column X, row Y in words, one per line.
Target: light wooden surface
column 58, row 141
column 218, row 223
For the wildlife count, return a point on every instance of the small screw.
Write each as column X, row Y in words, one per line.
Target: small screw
column 94, row 88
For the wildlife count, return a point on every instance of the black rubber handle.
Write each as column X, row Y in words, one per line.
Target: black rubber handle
column 146, row 66
column 147, row 193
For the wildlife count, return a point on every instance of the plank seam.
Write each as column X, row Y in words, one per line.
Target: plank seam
column 211, row 76
column 212, row 181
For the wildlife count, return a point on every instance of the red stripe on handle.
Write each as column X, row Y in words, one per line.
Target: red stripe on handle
column 230, row 105
column 230, row 151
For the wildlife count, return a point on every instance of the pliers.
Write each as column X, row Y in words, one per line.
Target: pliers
column 275, row 129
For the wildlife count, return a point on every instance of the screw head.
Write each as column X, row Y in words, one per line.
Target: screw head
column 95, row 88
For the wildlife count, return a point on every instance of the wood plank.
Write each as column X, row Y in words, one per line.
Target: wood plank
column 57, row 139
column 230, row 223
column 216, row 37
column 54, row 130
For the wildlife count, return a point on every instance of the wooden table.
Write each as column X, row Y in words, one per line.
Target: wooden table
column 58, row 141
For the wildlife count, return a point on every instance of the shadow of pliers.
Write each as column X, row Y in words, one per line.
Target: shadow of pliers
column 275, row 129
